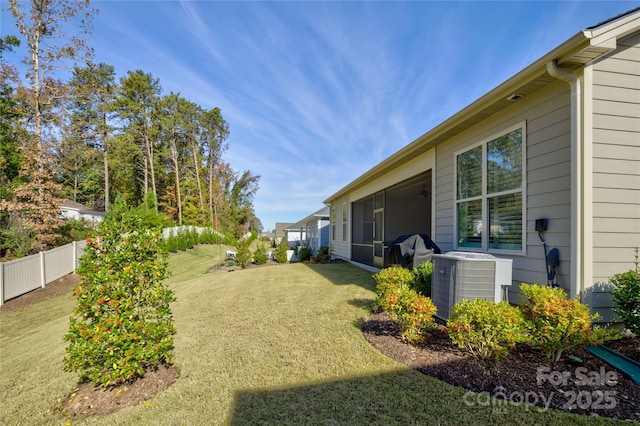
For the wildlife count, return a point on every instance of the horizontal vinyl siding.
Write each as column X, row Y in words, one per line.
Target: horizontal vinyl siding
column 616, row 160
column 341, row 249
column 547, row 114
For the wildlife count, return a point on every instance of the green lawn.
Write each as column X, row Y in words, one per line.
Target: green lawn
column 274, row 345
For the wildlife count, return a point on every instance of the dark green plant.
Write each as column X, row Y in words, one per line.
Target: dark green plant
column 243, row 254
column 627, row 297
column 210, row 236
column 260, row 255
column 324, row 255
column 305, row 254
column 280, row 253
column 122, row 325
column 422, row 278
column 149, row 215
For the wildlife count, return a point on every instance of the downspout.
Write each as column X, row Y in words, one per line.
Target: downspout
column 575, row 285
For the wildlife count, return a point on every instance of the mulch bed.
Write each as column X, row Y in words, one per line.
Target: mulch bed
column 89, row 399
column 524, row 376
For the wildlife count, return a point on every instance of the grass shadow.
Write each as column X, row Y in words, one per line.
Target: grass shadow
column 366, row 304
column 344, row 274
column 399, row 397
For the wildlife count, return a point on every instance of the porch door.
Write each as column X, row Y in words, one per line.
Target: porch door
column 378, row 238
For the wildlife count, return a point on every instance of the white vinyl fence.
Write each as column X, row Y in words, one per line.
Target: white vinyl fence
column 167, row 232
column 23, row 275
column 20, row 276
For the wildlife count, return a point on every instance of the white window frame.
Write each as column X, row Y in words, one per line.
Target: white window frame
column 345, row 220
column 485, row 197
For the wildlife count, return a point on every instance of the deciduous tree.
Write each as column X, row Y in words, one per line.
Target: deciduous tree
column 49, row 46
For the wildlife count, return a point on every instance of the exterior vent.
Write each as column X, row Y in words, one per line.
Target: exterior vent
column 466, row 276
column 515, row 97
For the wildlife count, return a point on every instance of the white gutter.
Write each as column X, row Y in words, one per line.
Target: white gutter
column 576, row 175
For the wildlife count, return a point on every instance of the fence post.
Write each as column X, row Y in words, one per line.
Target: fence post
column 1, row 283
column 43, row 278
column 74, row 257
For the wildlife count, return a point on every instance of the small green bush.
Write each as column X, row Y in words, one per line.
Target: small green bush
column 280, row 253
column 305, row 254
column 122, row 324
column 324, row 255
column 555, row 323
column 391, row 280
column 412, row 312
column 422, row 278
column 243, row 254
column 486, row 329
column 260, row 255
column 210, row 236
column 627, row 297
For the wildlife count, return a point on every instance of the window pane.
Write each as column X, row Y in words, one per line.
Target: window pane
column 504, row 162
column 469, row 171
column 470, row 224
column 505, row 222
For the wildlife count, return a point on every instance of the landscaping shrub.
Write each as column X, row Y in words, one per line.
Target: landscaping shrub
column 260, row 255
column 412, row 312
column 390, row 280
column 627, row 297
column 210, row 236
column 324, row 255
column 243, row 254
column 183, row 240
column 555, row 323
column 305, row 254
column 122, row 325
column 280, row 254
column 422, row 278
column 486, row 329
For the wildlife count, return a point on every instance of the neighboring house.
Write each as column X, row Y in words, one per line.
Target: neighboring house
column 295, row 235
column 73, row 210
column 559, row 141
column 281, row 228
column 314, row 228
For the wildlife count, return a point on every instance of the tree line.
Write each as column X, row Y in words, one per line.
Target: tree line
column 95, row 136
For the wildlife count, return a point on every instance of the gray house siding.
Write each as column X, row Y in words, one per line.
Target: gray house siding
column 548, row 151
column 616, row 159
column 615, row 115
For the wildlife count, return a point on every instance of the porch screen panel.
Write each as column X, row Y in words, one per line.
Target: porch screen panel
column 362, row 254
column 362, row 231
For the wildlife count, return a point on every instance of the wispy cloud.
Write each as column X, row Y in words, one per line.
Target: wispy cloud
column 316, row 93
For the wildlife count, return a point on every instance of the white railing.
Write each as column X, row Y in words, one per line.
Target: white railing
column 23, row 275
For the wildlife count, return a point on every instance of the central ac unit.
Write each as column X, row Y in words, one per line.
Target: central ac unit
column 466, row 276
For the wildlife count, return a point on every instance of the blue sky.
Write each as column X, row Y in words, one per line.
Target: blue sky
column 317, row 93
